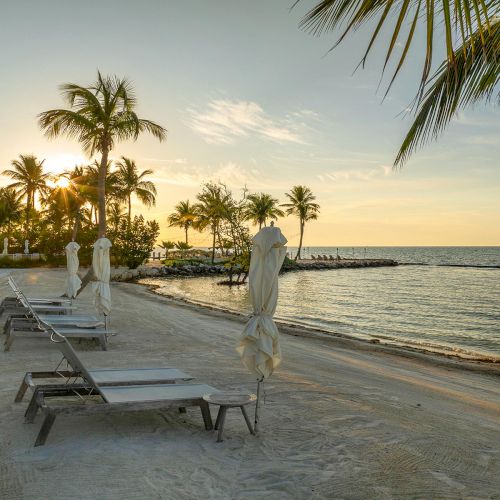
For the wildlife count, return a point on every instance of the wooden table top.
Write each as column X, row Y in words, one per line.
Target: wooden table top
column 230, row 398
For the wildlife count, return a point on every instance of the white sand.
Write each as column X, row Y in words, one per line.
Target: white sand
column 339, row 421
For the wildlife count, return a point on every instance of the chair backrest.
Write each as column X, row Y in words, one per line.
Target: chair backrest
column 31, row 312
column 13, row 285
column 71, row 357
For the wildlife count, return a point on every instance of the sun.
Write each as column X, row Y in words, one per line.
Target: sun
column 63, row 183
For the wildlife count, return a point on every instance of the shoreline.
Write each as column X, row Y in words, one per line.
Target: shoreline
column 480, row 364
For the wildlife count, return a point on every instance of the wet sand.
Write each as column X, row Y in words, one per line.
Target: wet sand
column 340, row 420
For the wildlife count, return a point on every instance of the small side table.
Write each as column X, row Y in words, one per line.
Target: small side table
column 226, row 400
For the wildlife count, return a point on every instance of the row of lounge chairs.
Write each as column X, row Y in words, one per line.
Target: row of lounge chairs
column 325, row 257
column 96, row 391
column 36, row 317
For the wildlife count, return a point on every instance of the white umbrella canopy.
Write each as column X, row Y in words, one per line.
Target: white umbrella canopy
column 102, row 269
column 73, row 281
column 259, row 345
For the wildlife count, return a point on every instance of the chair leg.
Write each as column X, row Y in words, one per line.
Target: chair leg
column 32, row 410
column 21, row 392
column 207, row 418
column 217, row 420
column 45, row 429
column 104, row 343
column 8, row 342
column 247, row 420
column 223, row 410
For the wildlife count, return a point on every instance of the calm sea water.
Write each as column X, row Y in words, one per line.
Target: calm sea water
column 446, row 299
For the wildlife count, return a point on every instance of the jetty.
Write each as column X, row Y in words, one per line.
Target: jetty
column 310, row 264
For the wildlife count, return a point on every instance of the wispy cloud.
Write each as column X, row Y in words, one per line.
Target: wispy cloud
column 356, row 174
column 226, row 120
column 230, row 173
column 485, row 139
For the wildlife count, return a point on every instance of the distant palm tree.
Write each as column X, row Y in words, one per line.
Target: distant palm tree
column 470, row 42
column 30, row 180
column 211, row 210
column 301, row 204
column 130, row 181
column 115, row 215
column 167, row 246
column 100, row 115
column 10, row 207
column 183, row 217
column 260, row 207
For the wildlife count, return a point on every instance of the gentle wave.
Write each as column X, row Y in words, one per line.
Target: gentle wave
column 451, row 309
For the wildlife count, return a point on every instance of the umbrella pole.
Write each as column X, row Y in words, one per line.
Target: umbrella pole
column 257, row 405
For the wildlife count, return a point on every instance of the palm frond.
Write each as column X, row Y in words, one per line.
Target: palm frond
column 460, row 20
column 474, row 77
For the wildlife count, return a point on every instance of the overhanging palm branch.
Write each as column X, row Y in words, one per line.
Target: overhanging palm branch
column 471, row 42
column 460, row 18
column 453, row 88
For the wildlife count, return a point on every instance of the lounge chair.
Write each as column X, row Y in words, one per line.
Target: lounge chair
column 42, row 306
column 13, row 303
column 75, row 370
column 34, row 326
column 325, row 257
column 114, row 398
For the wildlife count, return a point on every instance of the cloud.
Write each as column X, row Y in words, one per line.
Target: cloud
column 230, row 173
column 485, row 139
column 226, row 120
column 356, row 174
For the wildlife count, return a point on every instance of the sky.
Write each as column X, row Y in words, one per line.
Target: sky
column 250, row 99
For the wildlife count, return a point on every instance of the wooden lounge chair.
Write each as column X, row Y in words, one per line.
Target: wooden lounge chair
column 75, row 371
column 114, row 398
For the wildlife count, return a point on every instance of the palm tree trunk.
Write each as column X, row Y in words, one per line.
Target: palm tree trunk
column 101, row 191
column 186, row 229
column 214, row 230
column 300, row 242
column 28, row 211
column 129, row 209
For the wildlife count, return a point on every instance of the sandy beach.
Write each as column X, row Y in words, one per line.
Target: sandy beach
column 340, row 419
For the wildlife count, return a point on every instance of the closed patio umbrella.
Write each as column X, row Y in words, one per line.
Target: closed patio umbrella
column 259, row 345
column 73, row 281
column 101, row 267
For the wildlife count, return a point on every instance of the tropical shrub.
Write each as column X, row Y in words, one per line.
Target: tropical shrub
column 133, row 243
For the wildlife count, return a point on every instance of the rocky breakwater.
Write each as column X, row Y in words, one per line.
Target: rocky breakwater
column 125, row 274
column 307, row 265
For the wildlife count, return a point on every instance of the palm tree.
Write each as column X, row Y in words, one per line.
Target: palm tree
column 183, row 217
column 471, row 41
column 301, row 204
column 10, row 207
column 167, row 246
column 115, row 215
column 30, row 180
column 100, row 115
column 260, row 207
column 211, row 210
column 130, row 181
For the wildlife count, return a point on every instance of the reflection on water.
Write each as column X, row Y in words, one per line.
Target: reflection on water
column 455, row 308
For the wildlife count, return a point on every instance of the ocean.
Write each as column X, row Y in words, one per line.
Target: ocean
column 443, row 299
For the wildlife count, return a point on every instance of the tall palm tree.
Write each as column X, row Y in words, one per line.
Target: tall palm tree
column 183, row 217
column 211, row 210
column 301, row 204
column 30, row 180
column 260, row 207
column 471, row 42
column 99, row 116
column 130, row 181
